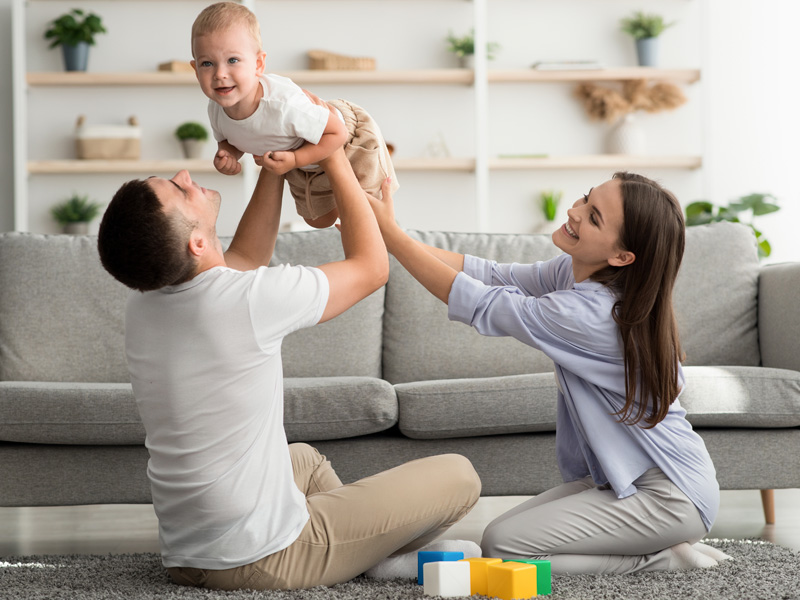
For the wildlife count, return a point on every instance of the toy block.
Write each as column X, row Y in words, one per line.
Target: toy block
column 446, row 578
column 512, row 581
column 434, row 556
column 544, row 584
column 479, row 573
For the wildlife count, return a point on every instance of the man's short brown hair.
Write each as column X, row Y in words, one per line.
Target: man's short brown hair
column 141, row 245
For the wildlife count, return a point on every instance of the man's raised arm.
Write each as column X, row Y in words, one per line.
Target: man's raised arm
column 254, row 241
column 365, row 267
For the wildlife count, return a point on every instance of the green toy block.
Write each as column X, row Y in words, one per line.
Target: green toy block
column 544, row 584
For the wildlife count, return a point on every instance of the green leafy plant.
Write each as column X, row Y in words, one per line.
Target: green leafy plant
column 76, row 209
column 641, row 25
column 74, row 27
column 465, row 45
column 550, row 202
column 703, row 212
column 191, row 131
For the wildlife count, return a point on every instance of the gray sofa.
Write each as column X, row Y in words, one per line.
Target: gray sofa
column 390, row 380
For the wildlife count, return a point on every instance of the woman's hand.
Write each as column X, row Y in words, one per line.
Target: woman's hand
column 384, row 207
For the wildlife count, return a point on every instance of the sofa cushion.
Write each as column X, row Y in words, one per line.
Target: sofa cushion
column 750, row 397
column 69, row 413
column 329, row 408
column 480, row 406
column 62, row 314
column 421, row 343
column 319, row 408
column 351, row 343
column 716, row 296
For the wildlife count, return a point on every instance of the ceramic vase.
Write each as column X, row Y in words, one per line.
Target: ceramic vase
column 626, row 137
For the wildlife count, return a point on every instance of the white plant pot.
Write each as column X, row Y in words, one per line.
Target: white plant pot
column 467, row 62
column 80, row 228
column 626, row 137
column 193, row 148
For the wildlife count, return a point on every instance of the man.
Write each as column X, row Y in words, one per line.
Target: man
column 237, row 506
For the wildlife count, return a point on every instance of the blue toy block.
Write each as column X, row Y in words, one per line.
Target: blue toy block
column 431, row 556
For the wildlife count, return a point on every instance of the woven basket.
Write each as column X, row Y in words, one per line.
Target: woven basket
column 328, row 61
column 118, row 142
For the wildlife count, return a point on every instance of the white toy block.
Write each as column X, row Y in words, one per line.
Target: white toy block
column 447, row 579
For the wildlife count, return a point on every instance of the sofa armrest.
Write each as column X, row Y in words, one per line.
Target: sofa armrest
column 778, row 315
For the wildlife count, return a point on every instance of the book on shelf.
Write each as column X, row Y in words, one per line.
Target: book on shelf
column 567, row 65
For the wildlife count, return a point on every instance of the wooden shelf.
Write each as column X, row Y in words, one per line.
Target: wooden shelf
column 616, row 74
column 77, row 166
column 597, row 161
column 421, row 76
column 414, row 76
column 601, row 161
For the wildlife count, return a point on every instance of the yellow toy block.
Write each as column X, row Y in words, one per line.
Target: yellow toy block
column 512, row 581
column 479, row 574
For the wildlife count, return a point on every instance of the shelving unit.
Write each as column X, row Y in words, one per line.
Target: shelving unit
column 478, row 80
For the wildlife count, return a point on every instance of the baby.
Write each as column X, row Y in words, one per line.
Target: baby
column 272, row 118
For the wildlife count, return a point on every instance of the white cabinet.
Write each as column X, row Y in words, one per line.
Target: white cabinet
column 415, row 94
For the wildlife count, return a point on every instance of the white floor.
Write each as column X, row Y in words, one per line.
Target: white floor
column 128, row 528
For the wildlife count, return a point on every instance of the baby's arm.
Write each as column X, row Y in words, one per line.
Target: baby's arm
column 333, row 137
column 226, row 160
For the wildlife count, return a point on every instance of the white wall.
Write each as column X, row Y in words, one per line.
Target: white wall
column 733, row 116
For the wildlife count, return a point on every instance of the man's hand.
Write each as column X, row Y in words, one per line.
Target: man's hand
column 279, row 162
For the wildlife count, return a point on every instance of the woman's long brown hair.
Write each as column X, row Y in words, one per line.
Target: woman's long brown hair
column 653, row 229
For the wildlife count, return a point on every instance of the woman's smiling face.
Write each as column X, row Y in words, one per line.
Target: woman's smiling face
column 591, row 234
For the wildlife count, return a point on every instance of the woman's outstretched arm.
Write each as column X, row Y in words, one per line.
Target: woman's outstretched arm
column 434, row 268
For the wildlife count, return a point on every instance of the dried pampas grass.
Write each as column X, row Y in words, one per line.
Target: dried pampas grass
column 608, row 104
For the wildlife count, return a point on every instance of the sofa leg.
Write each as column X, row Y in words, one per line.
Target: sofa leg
column 768, row 500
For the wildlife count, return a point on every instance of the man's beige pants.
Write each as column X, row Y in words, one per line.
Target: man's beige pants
column 353, row 527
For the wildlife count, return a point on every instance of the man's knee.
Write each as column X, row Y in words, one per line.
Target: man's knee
column 459, row 470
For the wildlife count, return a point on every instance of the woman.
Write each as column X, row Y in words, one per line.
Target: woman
column 639, row 489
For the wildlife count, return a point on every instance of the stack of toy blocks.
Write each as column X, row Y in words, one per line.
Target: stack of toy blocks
column 449, row 574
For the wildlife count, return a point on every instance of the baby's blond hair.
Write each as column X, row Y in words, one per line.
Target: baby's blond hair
column 221, row 17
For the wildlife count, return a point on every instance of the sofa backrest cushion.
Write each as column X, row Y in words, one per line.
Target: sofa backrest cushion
column 350, row 344
column 421, row 343
column 716, row 301
column 716, row 296
column 61, row 314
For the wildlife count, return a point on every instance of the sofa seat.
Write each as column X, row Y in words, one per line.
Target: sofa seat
column 316, row 408
column 734, row 396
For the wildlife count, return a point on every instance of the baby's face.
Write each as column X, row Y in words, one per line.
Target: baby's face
column 228, row 65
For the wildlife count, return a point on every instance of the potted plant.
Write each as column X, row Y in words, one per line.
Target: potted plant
column 548, row 202
column 75, row 213
column 702, row 212
column 74, row 32
column 192, row 136
column 464, row 48
column 645, row 29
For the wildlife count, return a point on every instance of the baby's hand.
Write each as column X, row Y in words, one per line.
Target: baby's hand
column 226, row 163
column 277, row 162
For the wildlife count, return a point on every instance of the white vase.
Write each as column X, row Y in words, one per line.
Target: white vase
column 626, row 137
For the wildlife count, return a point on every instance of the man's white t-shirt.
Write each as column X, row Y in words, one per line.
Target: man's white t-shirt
column 284, row 120
column 205, row 364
